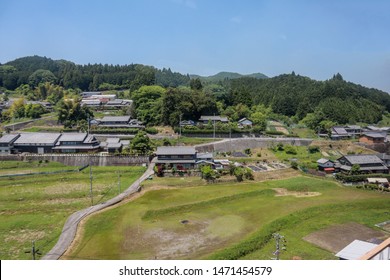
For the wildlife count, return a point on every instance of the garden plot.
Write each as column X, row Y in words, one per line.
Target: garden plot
column 265, row 166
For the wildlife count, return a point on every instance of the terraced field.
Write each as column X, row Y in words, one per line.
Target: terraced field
column 185, row 218
column 35, row 207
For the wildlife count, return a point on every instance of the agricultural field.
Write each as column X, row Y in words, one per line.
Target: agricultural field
column 35, row 207
column 186, row 218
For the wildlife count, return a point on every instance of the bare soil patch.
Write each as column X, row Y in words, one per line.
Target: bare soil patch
column 336, row 237
column 285, row 192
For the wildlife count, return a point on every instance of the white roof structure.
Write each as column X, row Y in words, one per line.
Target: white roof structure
column 355, row 250
column 377, row 180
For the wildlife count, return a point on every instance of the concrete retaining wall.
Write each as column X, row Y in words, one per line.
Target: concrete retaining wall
column 228, row 145
column 82, row 159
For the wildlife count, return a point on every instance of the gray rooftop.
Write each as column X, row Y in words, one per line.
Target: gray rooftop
column 213, row 118
column 8, row 138
column 363, row 159
column 176, row 150
column 322, row 160
column 340, row 130
column 77, row 137
column 374, row 135
column 112, row 140
column 355, row 250
column 116, row 119
column 37, row 138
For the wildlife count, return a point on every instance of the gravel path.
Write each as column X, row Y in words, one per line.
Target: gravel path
column 69, row 230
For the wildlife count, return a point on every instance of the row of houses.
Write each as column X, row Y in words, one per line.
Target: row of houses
column 379, row 163
column 118, row 122
column 242, row 123
column 43, row 143
column 369, row 134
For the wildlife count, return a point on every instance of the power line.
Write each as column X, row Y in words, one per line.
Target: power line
column 33, row 251
column 280, row 245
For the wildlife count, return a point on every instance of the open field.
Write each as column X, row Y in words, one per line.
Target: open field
column 185, row 218
column 36, row 207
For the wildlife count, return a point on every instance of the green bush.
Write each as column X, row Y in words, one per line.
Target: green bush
column 151, row 130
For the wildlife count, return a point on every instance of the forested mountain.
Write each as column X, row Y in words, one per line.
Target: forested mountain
column 293, row 95
column 163, row 96
column 228, row 75
column 33, row 70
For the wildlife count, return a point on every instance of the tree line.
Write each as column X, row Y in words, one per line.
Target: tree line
column 164, row 97
column 34, row 70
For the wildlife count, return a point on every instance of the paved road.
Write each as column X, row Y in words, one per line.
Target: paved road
column 69, row 230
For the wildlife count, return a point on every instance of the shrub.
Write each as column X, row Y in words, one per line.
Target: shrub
column 151, row 130
column 291, row 150
column 313, row 149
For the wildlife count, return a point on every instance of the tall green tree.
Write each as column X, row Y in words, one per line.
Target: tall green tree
column 70, row 113
column 141, row 144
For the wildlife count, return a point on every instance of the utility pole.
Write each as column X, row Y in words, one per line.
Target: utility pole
column 33, row 251
column 180, row 127
column 214, row 127
column 90, row 181
column 119, row 182
column 280, row 241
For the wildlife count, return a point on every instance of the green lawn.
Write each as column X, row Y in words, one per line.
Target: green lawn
column 36, row 207
column 188, row 219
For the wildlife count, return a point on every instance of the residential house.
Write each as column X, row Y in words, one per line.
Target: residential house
column 113, row 145
column 339, row 133
column 179, row 157
column 244, row 123
column 372, row 138
column 134, row 123
column 187, row 123
column 76, row 143
column 118, row 103
column 86, row 94
column 7, row 143
column 367, row 164
column 354, row 130
column 207, row 119
column 325, row 165
column 39, row 143
column 385, row 158
column 91, row 102
column 372, row 128
column 115, row 121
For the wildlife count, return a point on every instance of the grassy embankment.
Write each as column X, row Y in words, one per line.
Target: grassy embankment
column 185, row 218
column 36, row 207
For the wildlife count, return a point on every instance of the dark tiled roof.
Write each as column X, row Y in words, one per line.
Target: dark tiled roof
column 363, row 159
column 8, row 138
column 178, row 150
column 37, row 138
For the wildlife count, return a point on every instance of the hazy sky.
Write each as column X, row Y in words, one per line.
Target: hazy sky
column 313, row 38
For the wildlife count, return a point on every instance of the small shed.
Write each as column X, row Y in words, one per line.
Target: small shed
column 378, row 181
column 355, row 250
column 326, row 165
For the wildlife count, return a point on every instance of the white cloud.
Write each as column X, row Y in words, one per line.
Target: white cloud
column 236, row 19
column 187, row 3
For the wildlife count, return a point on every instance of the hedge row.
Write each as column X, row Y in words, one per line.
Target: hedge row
column 360, row 177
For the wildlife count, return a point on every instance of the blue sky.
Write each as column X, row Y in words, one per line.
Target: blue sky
column 313, row 38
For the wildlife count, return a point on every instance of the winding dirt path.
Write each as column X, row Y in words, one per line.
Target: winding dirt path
column 69, row 230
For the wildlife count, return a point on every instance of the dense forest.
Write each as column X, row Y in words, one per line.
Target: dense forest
column 163, row 96
column 33, row 70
